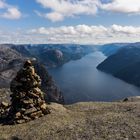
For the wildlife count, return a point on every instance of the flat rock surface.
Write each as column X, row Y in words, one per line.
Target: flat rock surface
column 81, row 121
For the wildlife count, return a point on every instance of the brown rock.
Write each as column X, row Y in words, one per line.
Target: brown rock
column 36, row 114
column 22, row 109
column 31, row 105
column 31, row 70
column 36, row 90
column 4, row 104
column 28, row 101
column 20, row 121
column 29, row 111
column 26, row 118
column 43, row 106
column 47, row 111
column 40, row 102
column 33, row 95
column 27, row 63
column 18, row 115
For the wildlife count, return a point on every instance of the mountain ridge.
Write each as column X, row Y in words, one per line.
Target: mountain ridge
column 124, row 64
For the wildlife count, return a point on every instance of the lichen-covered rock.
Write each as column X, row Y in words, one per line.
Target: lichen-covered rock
column 27, row 100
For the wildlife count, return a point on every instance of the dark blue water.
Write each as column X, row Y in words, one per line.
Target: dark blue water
column 81, row 81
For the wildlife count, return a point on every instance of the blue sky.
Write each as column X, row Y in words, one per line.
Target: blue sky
column 69, row 21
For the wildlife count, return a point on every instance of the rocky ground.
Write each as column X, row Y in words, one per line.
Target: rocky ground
column 81, row 121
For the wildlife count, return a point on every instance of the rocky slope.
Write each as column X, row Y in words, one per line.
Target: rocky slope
column 124, row 64
column 84, row 121
column 10, row 62
column 9, row 57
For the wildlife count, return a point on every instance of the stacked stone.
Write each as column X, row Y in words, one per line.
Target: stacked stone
column 27, row 100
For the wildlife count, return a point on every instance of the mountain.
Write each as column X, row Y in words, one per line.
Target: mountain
column 130, row 74
column 46, row 55
column 11, row 61
column 110, row 49
column 9, row 57
column 124, row 64
column 49, row 54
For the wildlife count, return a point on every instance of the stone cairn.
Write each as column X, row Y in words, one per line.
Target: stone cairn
column 27, row 100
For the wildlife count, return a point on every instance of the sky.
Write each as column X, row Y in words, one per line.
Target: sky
column 69, row 21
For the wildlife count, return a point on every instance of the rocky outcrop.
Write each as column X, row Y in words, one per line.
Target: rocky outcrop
column 27, row 100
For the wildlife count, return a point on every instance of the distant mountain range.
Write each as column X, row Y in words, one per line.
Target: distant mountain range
column 124, row 63
column 109, row 49
column 53, row 55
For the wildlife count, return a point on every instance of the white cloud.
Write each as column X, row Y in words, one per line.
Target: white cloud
column 89, row 34
column 52, row 16
column 10, row 12
column 61, row 9
column 126, row 29
column 2, row 4
column 81, row 34
column 68, row 8
column 123, row 6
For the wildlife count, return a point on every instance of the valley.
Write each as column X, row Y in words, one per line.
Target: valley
column 69, row 73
